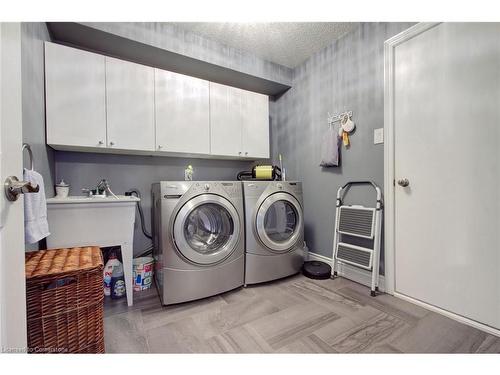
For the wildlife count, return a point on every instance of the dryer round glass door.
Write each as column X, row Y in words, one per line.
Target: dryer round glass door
column 279, row 222
column 206, row 229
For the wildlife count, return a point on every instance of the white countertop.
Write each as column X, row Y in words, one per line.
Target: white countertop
column 85, row 199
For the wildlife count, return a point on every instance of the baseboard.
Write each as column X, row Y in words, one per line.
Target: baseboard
column 358, row 275
column 449, row 314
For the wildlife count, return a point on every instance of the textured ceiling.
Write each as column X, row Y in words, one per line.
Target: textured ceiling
column 285, row 43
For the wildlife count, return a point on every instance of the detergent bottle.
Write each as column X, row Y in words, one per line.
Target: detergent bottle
column 117, row 282
column 108, row 272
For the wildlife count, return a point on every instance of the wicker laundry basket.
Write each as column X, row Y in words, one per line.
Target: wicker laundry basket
column 64, row 295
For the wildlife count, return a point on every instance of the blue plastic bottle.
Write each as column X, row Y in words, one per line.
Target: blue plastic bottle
column 117, row 282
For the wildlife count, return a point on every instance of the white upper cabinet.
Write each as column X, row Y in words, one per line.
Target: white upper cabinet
column 95, row 102
column 182, row 113
column 239, row 122
column 75, row 97
column 255, row 133
column 130, row 105
column 226, row 118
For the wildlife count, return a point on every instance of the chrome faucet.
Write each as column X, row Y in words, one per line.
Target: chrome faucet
column 103, row 188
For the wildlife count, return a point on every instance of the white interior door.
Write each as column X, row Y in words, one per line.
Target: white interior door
column 12, row 279
column 447, row 144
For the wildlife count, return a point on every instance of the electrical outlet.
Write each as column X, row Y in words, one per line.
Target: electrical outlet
column 378, row 136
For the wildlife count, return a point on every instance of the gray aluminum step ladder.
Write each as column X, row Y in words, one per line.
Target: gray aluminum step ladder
column 362, row 222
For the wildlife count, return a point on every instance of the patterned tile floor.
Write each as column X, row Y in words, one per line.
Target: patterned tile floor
column 293, row 315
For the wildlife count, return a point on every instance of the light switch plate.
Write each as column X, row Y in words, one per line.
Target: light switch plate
column 378, row 136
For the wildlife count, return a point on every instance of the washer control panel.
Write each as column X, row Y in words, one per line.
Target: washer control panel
column 232, row 189
column 203, row 187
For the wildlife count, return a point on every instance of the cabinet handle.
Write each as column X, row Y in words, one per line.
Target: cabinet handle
column 239, row 153
column 246, row 153
column 101, row 142
column 111, row 143
column 160, row 146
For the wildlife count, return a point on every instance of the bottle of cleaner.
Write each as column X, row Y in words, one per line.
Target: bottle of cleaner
column 108, row 272
column 188, row 173
column 117, row 282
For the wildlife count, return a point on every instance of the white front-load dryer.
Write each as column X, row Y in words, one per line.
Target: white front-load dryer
column 198, row 238
column 274, row 226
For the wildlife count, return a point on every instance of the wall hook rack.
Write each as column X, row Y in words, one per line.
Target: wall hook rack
column 336, row 118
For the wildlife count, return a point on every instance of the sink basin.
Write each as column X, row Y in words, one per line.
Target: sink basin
column 94, row 221
column 93, row 199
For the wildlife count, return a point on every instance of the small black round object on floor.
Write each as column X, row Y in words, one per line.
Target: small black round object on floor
column 316, row 270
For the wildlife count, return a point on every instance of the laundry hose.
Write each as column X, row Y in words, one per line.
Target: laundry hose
column 141, row 212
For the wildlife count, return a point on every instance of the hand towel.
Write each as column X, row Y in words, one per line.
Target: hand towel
column 36, row 225
column 330, row 148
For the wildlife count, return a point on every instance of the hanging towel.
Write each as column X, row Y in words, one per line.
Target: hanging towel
column 330, row 148
column 36, row 225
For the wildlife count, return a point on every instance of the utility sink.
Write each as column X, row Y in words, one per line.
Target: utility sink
column 92, row 199
column 94, row 221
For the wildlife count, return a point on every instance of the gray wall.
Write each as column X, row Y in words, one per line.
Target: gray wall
column 126, row 172
column 33, row 34
column 347, row 75
column 172, row 38
column 83, row 170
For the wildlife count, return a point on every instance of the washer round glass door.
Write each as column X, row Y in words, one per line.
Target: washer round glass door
column 279, row 222
column 206, row 229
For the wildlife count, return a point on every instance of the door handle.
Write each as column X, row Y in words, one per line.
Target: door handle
column 13, row 188
column 403, row 182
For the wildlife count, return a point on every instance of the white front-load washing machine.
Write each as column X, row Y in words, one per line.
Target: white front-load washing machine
column 274, row 226
column 198, row 238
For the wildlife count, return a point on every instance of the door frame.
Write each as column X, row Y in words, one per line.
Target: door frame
column 389, row 176
column 389, row 147
column 13, row 331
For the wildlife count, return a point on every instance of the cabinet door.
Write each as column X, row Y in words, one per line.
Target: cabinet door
column 130, row 105
column 182, row 113
column 255, row 138
column 75, row 97
column 226, row 119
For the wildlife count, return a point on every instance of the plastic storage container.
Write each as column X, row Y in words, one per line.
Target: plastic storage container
column 143, row 273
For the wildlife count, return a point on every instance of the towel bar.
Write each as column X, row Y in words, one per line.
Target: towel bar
column 30, row 153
